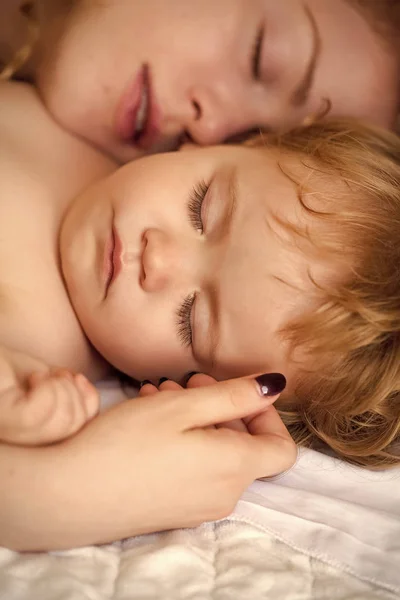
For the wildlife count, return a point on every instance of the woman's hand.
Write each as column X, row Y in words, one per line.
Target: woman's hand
column 145, row 465
column 179, row 469
column 247, row 424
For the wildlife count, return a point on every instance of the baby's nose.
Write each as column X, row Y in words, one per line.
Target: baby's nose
column 162, row 260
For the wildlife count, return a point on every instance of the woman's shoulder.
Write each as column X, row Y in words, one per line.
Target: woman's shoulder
column 25, row 126
column 41, row 146
column 14, row 95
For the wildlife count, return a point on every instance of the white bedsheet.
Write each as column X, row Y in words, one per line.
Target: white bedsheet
column 345, row 516
column 324, row 531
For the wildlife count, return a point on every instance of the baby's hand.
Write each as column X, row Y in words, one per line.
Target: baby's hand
column 52, row 406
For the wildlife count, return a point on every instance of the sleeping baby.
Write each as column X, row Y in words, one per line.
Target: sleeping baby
column 276, row 255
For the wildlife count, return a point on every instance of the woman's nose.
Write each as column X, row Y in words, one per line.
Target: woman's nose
column 164, row 261
column 220, row 112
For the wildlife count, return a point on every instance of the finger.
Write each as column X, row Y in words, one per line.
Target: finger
column 62, row 372
column 266, row 422
column 200, row 380
column 263, row 456
column 235, row 425
column 71, row 401
column 168, row 385
column 271, row 454
column 147, row 389
column 36, row 378
column 227, row 400
column 88, row 393
column 10, row 422
column 50, row 411
column 273, row 440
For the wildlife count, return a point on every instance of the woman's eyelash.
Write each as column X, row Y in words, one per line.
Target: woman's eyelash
column 196, row 200
column 183, row 320
column 256, row 54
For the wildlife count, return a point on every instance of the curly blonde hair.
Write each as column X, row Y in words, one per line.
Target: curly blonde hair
column 349, row 400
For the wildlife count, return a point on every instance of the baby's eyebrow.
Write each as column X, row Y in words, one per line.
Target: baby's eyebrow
column 213, row 292
column 233, row 195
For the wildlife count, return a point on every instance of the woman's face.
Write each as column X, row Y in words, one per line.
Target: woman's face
column 134, row 77
column 176, row 263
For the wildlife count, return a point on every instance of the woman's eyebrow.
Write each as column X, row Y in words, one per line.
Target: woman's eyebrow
column 300, row 95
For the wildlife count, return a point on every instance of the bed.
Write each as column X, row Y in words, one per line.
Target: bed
column 325, row 530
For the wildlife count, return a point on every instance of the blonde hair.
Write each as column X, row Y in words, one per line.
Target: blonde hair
column 22, row 56
column 350, row 401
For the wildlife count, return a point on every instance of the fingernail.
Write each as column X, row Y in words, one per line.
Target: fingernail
column 271, row 384
column 163, row 380
column 144, row 382
column 189, row 376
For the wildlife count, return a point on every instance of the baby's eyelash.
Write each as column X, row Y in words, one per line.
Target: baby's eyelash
column 196, row 200
column 183, row 321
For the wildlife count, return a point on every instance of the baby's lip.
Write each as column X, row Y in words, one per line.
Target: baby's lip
column 117, row 255
column 112, row 261
column 138, row 116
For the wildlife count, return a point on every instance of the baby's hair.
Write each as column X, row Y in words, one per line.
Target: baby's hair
column 349, row 399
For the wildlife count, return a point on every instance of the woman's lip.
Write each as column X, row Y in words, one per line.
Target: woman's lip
column 127, row 112
column 112, row 263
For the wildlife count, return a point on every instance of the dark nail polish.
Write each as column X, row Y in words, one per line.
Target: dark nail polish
column 163, row 380
column 271, row 384
column 189, row 376
column 144, row 382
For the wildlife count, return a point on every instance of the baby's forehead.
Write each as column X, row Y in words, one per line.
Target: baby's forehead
column 279, row 269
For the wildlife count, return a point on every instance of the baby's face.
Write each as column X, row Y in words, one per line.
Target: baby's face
column 176, row 263
column 134, row 76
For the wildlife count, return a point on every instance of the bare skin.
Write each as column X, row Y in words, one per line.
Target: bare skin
column 46, row 362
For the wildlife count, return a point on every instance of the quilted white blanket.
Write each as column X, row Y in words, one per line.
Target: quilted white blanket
column 324, row 531
column 224, row 561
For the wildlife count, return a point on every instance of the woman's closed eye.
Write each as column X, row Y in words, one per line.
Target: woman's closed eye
column 195, row 204
column 184, row 320
column 256, row 54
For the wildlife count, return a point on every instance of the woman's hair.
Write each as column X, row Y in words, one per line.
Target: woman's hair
column 348, row 396
column 21, row 57
column 383, row 17
column 33, row 12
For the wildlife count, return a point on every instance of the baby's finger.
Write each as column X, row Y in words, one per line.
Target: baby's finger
column 36, row 378
column 55, row 407
column 61, row 372
column 89, row 394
